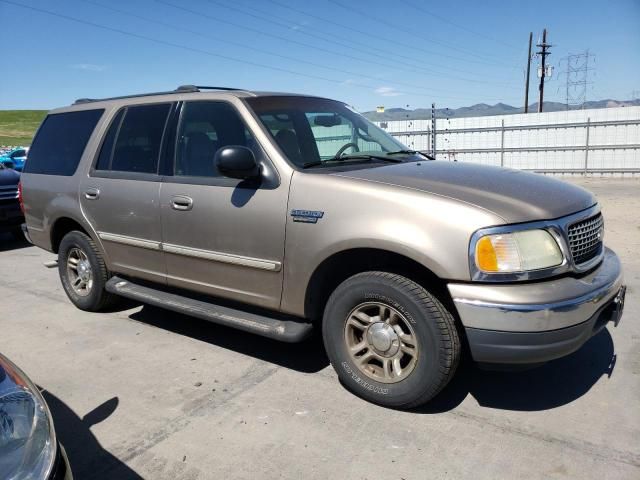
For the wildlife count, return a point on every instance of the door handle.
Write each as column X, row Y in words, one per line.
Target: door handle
column 181, row 202
column 92, row 193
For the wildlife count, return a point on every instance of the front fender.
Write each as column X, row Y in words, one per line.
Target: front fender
column 432, row 230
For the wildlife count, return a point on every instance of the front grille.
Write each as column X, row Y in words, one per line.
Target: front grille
column 585, row 239
column 8, row 192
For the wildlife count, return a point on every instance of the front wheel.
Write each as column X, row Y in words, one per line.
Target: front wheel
column 390, row 341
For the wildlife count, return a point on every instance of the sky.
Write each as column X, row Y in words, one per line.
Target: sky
column 402, row 53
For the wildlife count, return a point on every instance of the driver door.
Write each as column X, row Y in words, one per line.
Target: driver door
column 222, row 236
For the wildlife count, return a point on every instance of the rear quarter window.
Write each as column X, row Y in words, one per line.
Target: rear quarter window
column 60, row 142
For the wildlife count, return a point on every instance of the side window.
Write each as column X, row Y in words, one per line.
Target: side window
column 106, row 152
column 137, row 146
column 205, row 127
column 19, row 154
column 60, row 142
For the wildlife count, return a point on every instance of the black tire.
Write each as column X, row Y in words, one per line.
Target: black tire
column 98, row 298
column 433, row 326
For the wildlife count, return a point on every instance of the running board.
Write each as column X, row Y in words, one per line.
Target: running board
column 290, row 331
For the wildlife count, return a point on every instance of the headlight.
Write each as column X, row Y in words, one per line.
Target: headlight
column 513, row 252
column 27, row 437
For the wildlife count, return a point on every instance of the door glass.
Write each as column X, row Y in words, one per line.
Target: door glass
column 138, row 144
column 205, row 128
column 104, row 160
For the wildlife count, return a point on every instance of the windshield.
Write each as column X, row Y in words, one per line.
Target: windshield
column 316, row 131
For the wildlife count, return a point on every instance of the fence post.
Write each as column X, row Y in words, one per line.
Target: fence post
column 502, row 144
column 586, row 148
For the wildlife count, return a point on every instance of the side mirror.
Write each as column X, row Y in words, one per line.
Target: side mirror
column 236, row 161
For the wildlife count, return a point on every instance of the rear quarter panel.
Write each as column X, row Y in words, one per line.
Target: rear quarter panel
column 48, row 198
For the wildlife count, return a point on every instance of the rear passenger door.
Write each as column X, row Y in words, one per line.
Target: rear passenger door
column 120, row 196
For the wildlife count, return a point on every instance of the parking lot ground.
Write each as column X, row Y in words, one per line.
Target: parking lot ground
column 147, row 393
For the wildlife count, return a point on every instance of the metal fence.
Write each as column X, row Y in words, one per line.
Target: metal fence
column 603, row 141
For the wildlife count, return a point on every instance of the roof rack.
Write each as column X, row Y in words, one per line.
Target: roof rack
column 180, row 89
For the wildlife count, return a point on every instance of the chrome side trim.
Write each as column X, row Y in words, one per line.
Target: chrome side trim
column 223, row 257
column 133, row 241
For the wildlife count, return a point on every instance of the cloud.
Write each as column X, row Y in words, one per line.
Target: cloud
column 387, row 92
column 299, row 26
column 89, row 67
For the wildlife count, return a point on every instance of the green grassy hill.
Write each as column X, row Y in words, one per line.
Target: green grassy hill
column 17, row 127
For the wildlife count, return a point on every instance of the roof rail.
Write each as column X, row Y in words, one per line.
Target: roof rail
column 180, row 89
column 197, row 88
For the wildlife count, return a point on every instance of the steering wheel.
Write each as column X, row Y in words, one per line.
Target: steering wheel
column 344, row 147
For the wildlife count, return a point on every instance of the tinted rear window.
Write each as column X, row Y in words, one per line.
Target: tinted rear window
column 137, row 147
column 104, row 160
column 62, row 138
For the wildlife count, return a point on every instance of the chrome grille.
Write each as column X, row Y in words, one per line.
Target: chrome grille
column 8, row 192
column 585, row 239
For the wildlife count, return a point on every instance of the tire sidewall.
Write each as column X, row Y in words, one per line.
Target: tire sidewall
column 79, row 240
column 426, row 373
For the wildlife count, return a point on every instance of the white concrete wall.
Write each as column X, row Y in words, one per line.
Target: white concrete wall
column 449, row 144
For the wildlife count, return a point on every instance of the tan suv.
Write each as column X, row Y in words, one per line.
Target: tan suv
column 279, row 214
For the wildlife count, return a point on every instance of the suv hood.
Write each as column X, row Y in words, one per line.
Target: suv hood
column 514, row 195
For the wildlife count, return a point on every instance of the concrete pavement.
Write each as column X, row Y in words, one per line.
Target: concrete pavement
column 143, row 392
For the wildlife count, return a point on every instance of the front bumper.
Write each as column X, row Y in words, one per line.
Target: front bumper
column 537, row 322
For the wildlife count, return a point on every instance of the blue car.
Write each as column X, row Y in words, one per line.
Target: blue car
column 15, row 158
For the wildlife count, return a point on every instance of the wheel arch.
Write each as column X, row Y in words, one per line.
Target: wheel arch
column 343, row 264
column 65, row 224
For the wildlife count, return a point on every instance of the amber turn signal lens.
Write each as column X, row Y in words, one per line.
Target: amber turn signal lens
column 486, row 257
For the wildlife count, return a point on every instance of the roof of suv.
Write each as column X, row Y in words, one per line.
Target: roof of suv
column 188, row 90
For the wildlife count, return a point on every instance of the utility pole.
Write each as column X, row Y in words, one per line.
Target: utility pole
column 544, row 46
column 526, row 88
column 433, row 130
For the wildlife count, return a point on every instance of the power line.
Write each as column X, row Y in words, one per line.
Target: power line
column 173, row 26
column 457, row 25
column 323, row 38
column 403, row 29
column 413, row 68
column 193, row 49
column 378, row 37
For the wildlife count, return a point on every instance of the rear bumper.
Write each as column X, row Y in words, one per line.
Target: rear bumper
column 537, row 322
column 25, row 232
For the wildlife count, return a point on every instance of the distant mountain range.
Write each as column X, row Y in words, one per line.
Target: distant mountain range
column 482, row 109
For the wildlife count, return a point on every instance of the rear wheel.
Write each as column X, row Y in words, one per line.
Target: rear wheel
column 83, row 272
column 390, row 341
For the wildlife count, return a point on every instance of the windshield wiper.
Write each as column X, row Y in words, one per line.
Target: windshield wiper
column 410, row 152
column 351, row 157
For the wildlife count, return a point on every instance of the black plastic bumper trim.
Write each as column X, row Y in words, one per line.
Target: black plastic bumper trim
column 491, row 346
